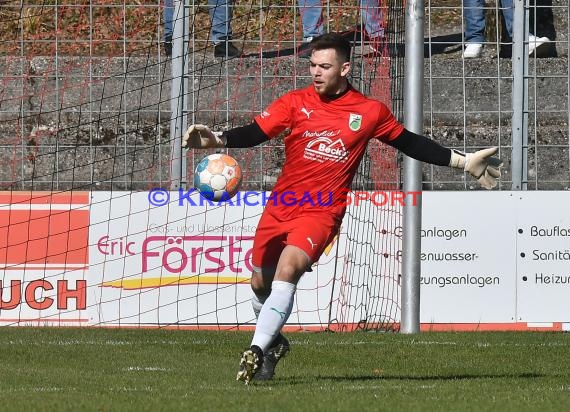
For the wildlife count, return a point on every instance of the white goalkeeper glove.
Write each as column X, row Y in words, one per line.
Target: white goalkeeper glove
column 199, row 136
column 481, row 165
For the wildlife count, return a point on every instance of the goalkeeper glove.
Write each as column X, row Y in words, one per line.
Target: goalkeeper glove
column 199, row 136
column 481, row 165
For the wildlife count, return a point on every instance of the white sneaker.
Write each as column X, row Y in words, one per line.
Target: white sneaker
column 535, row 44
column 472, row 50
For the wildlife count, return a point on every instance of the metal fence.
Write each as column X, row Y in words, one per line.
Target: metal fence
column 86, row 87
column 505, row 97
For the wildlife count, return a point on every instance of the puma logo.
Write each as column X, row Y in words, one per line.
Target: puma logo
column 311, row 242
column 307, row 112
column 282, row 314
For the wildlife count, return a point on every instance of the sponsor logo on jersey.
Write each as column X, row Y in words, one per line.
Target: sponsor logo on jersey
column 265, row 114
column 323, row 148
column 354, row 122
column 307, row 112
column 322, row 133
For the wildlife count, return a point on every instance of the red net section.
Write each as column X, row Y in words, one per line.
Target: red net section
column 85, row 104
column 270, row 38
column 75, row 109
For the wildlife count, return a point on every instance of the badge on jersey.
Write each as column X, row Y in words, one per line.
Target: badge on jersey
column 354, row 122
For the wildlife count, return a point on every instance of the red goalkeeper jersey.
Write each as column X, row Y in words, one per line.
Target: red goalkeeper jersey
column 326, row 142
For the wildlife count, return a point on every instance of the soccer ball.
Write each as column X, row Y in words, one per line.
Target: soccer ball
column 217, row 177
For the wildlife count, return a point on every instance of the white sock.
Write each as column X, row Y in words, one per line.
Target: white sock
column 257, row 303
column 274, row 314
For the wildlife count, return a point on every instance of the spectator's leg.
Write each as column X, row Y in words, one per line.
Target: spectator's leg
column 168, row 17
column 508, row 12
column 312, row 18
column 221, row 17
column 372, row 18
column 474, row 17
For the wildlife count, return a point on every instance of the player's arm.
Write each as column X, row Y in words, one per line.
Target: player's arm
column 245, row 136
column 199, row 136
column 480, row 164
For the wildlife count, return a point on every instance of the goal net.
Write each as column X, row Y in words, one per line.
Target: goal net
column 92, row 229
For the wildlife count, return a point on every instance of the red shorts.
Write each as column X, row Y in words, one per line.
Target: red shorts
column 311, row 232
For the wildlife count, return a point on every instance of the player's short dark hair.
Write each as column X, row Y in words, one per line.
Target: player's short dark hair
column 332, row 41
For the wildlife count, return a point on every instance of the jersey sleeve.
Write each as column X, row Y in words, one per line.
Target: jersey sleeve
column 275, row 118
column 387, row 126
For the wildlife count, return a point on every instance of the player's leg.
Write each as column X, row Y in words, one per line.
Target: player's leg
column 267, row 247
column 261, row 280
column 252, row 360
column 307, row 238
column 276, row 310
column 273, row 314
column 305, row 243
column 278, row 349
column 293, row 262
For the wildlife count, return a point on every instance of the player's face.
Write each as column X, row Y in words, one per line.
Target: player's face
column 328, row 72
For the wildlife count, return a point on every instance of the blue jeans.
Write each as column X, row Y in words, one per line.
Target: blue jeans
column 371, row 16
column 221, row 14
column 474, row 15
column 167, row 16
column 311, row 17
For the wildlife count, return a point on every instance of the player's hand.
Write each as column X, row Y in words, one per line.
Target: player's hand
column 199, row 136
column 481, row 165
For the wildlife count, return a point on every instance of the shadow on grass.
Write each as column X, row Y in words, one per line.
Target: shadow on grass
column 293, row 380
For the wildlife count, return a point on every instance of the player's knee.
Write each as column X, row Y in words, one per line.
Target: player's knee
column 259, row 286
column 290, row 273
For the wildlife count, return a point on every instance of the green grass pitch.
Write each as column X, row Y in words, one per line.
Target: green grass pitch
column 92, row 369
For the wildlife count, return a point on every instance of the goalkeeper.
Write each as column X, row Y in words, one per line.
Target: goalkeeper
column 330, row 124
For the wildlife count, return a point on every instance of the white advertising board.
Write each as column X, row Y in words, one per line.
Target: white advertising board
column 468, row 258
column 542, row 236
column 120, row 259
column 183, row 263
column 44, row 261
